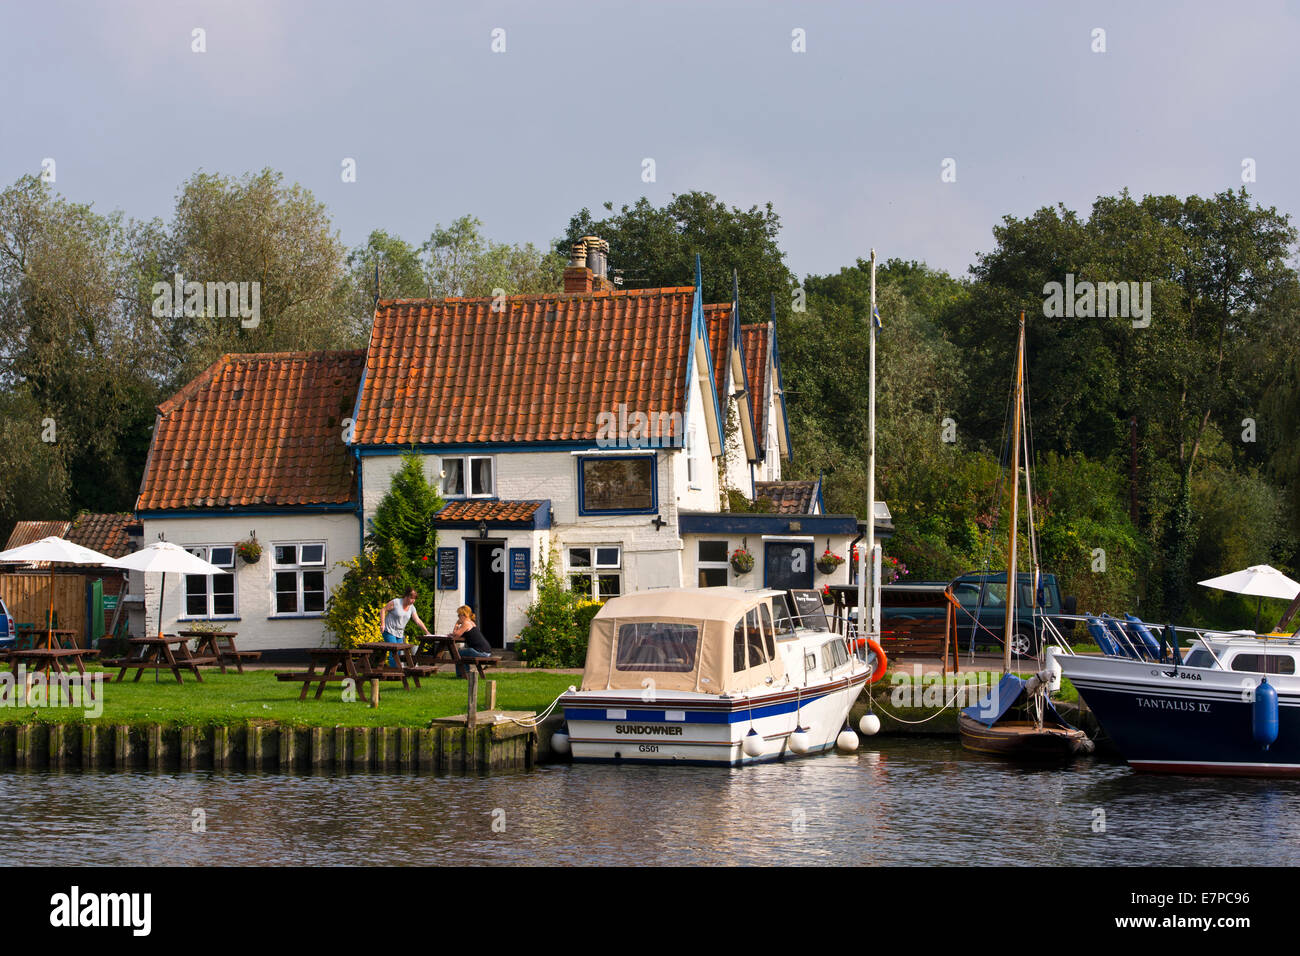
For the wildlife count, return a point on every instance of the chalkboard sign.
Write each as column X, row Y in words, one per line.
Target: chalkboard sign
column 520, row 559
column 808, row 609
column 447, row 565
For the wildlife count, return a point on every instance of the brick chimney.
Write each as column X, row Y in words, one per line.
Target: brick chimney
column 588, row 269
column 577, row 277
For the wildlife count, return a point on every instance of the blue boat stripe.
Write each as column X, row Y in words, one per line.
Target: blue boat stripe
column 692, row 716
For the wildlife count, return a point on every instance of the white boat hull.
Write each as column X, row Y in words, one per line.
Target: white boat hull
column 622, row 726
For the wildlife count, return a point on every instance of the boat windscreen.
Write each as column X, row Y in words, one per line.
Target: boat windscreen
column 657, row 646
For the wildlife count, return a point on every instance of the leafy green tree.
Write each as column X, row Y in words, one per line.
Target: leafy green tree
column 401, row 275
column 653, row 246
column 77, row 349
column 257, row 229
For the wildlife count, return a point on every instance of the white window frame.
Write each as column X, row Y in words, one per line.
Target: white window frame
column 723, row 565
column 692, row 463
column 210, row 596
column 298, row 568
column 467, row 476
column 596, row 568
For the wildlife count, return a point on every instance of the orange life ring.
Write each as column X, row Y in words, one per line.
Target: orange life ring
column 882, row 662
column 859, row 643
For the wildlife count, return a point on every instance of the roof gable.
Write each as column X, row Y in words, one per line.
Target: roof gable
column 256, row 430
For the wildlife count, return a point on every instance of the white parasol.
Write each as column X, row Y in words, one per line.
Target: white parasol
column 1259, row 581
column 56, row 551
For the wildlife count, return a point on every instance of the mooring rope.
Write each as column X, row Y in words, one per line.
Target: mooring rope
column 537, row 719
column 874, row 703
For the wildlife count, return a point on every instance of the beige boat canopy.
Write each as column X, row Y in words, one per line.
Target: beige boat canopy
column 709, row 640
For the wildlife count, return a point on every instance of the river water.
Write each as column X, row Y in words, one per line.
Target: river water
column 920, row 801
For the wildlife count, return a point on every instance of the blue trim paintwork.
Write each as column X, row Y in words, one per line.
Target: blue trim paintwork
column 372, row 451
column 759, row 523
column 780, row 382
column 343, row 508
column 654, row 485
column 701, row 329
column 694, row 716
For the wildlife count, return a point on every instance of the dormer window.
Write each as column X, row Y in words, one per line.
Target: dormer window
column 468, row 476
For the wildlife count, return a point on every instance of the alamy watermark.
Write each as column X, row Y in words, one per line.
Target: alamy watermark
column 211, row 299
column 35, row 689
column 1086, row 300
column 637, row 429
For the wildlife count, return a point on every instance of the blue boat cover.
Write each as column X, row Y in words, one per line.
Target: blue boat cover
column 1144, row 634
column 1128, row 646
column 1001, row 698
column 1107, row 643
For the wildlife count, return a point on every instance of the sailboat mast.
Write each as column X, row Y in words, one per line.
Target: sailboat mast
column 868, row 615
column 1012, row 582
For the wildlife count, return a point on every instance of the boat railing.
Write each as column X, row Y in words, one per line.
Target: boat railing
column 1139, row 649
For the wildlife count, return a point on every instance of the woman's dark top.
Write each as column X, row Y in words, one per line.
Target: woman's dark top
column 473, row 638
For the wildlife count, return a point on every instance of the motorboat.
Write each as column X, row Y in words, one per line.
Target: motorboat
column 1230, row 706
column 718, row 676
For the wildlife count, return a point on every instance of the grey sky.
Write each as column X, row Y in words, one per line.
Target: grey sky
column 846, row 140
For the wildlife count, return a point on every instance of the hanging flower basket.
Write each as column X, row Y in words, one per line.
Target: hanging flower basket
column 828, row 562
column 250, row 552
column 742, row 562
column 426, row 569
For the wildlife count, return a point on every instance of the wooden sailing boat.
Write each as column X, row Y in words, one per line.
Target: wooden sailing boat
column 1017, row 718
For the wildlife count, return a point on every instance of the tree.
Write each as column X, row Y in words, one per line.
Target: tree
column 78, row 350
column 400, row 272
column 256, row 229
column 654, row 247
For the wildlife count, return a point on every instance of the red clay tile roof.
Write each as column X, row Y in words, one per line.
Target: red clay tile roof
column 788, row 497
column 753, row 346
column 106, row 533
column 452, row 371
column 25, row 532
column 256, row 430
column 718, row 319
column 488, row 511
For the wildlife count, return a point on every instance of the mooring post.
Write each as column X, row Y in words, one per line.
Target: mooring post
column 471, row 711
column 492, row 695
column 374, row 692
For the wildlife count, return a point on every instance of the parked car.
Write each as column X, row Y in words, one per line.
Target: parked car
column 983, row 599
column 8, row 635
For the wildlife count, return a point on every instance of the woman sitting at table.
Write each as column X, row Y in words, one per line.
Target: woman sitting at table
column 397, row 613
column 466, row 630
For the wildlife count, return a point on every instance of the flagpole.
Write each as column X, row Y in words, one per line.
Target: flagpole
column 869, row 601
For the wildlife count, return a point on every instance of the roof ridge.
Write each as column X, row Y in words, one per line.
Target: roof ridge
column 539, row 296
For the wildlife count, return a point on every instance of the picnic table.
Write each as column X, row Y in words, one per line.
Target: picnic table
column 432, row 646
column 340, row 664
column 33, row 637
column 155, row 653
column 220, row 646
column 406, row 665
column 54, row 658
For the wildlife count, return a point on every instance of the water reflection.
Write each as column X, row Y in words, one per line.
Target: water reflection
column 922, row 802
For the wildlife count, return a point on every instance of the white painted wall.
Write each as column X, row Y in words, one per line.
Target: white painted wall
column 257, row 628
column 754, row 544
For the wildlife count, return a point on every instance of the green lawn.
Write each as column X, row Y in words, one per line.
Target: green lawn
column 257, row 695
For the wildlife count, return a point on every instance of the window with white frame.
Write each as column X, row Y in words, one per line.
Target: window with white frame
column 468, row 476
column 298, row 579
column 712, row 562
column 596, row 571
column 211, row 595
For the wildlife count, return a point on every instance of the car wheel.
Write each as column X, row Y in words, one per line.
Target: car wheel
column 1023, row 644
